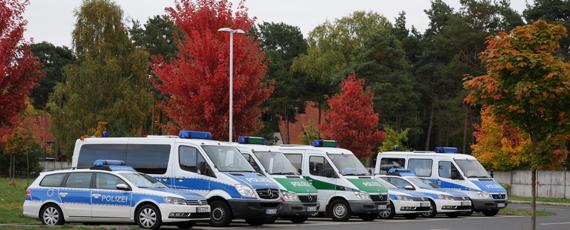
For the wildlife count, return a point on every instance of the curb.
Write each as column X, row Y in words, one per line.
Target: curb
column 539, row 202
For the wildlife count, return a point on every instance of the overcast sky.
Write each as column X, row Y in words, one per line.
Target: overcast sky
column 53, row 20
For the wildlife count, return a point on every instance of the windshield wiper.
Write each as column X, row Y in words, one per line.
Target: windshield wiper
column 238, row 171
column 477, row 177
column 283, row 173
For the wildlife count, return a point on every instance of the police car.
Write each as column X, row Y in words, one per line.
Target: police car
column 409, row 204
column 111, row 192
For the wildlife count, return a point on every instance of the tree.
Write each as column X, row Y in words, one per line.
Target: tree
column 20, row 69
column 53, row 59
column 553, row 11
column 158, row 36
column 528, row 85
column 283, row 43
column 351, row 120
column 310, row 133
column 395, row 140
column 196, row 80
column 107, row 83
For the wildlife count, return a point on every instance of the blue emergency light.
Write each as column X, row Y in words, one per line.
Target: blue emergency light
column 105, row 134
column 324, row 143
column 446, row 150
column 252, row 140
column 186, row 134
column 111, row 165
column 400, row 172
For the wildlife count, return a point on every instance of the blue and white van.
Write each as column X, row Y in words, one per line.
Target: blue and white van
column 111, row 192
column 452, row 170
column 193, row 162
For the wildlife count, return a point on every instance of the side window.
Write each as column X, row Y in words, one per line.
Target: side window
column 319, row 166
column 296, row 160
column 151, row 159
column 107, row 181
column 388, row 163
column 421, row 167
column 446, row 169
column 78, row 180
column 400, row 183
column 252, row 162
column 191, row 160
column 53, row 180
column 91, row 152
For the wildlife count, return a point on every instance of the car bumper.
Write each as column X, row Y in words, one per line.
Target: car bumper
column 444, row 206
column 182, row 213
column 31, row 208
column 406, row 207
column 297, row 208
column 363, row 207
column 254, row 208
column 489, row 204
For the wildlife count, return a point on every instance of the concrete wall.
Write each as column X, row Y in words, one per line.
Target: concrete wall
column 555, row 184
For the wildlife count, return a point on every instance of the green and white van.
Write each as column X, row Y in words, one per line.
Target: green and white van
column 300, row 197
column 345, row 187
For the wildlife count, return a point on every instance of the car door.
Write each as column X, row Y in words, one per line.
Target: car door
column 193, row 171
column 76, row 195
column 323, row 177
column 108, row 203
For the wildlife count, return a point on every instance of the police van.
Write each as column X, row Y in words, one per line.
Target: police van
column 345, row 187
column 111, row 192
column 193, row 162
column 299, row 195
column 449, row 169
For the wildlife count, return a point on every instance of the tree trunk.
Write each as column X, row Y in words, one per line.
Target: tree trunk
column 533, row 202
column 464, row 149
column 287, row 132
column 319, row 114
column 430, row 125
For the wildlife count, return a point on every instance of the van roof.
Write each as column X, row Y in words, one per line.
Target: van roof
column 150, row 140
column 427, row 154
column 261, row 148
column 323, row 150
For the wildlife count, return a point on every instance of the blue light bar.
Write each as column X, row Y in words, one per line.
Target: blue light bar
column 105, row 134
column 252, row 140
column 111, row 165
column 446, row 150
column 186, row 134
column 324, row 143
column 108, row 162
column 400, row 172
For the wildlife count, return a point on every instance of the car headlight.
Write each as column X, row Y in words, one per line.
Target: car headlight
column 174, row 200
column 290, row 196
column 361, row 195
column 445, row 197
column 484, row 195
column 404, row 198
column 245, row 190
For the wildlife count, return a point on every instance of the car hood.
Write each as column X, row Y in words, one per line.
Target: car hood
column 180, row 192
column 254, row 180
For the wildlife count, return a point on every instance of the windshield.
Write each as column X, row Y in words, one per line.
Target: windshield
column 142, row 180
column 227, row 158
column 386, row 184
column 472, row 169
column 275, row 163
column 420, row 183
column 348, row 165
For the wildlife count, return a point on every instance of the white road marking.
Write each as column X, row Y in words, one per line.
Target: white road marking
column 555, row 223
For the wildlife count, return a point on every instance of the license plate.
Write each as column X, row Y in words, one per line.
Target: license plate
column 202, row 209
column 271, row 211
column 501, row 205
column 425, row 204
column 382, row 207
column 311, row 209
column 465, row 203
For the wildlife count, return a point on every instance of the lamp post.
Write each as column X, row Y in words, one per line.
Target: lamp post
column 232, row 32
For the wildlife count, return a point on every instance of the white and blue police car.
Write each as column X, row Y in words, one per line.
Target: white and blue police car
column 111, row 192
column 403, row 202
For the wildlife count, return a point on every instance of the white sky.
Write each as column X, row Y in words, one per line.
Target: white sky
column 53, row 20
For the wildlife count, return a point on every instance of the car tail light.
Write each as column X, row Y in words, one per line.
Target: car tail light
column 28, row 192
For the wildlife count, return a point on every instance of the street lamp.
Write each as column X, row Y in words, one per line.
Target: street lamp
column 232, row 32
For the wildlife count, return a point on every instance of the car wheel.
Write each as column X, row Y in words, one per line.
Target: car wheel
column 432, row 212
column 452, row 214
column 51, row 215
column 255, row 221
column 185, row 225
column 368, row 217
column 491, row 212
column 298, row 219
column 220, row 214
column 411, row 216
column 339, row 210
column 389, row 213
column 148, row 217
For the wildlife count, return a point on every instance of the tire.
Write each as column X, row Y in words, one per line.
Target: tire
column 491, row 212
column 432, row 212
column 51, row 215
column 298, row 219
column 220, row 215
column 255, row 221
column 271, row 219
column 339, row 210
column 389, row 213
column 368, row 217
column 411, row 216
column 185, row 225
column 148, row 217
column 452, row 214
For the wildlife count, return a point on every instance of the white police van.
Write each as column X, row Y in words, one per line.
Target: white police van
column 403, row 202
column 194, row 162
column 449, row 169
column 345, row 187
column 301, row 198
column 111, row 192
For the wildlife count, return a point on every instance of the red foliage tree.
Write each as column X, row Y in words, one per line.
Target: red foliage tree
column 20, row 69
column 351, row 120
column 196, row 80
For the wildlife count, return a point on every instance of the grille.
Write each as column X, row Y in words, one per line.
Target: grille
column 268, row 193
column 196, row 202
column 308, row 198
column 419, row 199
column 460, row 198
column 499, row 196
column 382, row 197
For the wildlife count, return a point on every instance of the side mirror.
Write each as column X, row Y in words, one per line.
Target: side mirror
column 409, row 187
column 300, row 171
column 123, row 187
